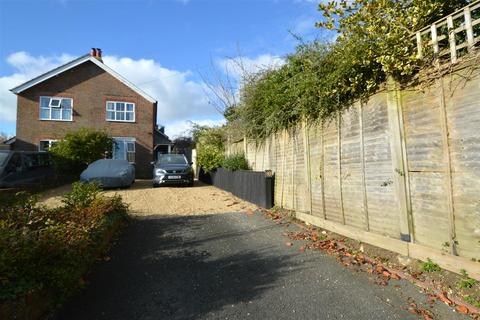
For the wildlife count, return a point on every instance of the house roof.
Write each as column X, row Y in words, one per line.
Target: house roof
column 161, row 138
column 74, row 63
column 10, row 140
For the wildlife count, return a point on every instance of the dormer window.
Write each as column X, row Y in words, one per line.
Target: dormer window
column 56, row 108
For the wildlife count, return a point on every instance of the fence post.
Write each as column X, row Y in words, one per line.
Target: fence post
column 322, row 170
column 395, row 122
column 308, row 172
column 284, row 151
column 448, row 168
column 339, row 159
column 245, row 151
column 469, row 28
column 362, row 159
column 419, row 45
column 451, row 39
column 436, row 49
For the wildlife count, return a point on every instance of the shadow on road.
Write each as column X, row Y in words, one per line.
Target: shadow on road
column 177, row 268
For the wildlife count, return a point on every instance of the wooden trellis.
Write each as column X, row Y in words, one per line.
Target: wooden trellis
column 451, row 34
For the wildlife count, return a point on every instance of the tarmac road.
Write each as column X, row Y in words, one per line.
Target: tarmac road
column 232, row 266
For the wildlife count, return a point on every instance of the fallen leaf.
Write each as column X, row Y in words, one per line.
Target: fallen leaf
column 442, row 296
column 395, row 276
column 106, row 258
column 249, row 212
column 288, row 244
column 462, row 309
column 301, row 249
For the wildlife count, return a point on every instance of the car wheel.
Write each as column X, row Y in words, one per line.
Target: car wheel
column 190, row 184
column 155, row 185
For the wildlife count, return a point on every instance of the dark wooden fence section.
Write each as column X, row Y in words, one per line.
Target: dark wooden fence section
column 253, row 186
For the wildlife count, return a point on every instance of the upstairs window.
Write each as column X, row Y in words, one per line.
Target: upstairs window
column 120, row 111
column 56, row 108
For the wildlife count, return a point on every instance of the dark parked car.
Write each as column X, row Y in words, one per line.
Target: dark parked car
column 24, row 168
column 172, row 169
column 110, row 173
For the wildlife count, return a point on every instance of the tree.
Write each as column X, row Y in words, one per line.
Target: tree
column 80, row 148
column 209, row 145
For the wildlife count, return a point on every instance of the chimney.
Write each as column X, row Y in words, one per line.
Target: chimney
column 96, row 53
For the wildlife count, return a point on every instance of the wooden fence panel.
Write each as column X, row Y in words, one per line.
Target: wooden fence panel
column 288, row 192
column 434, row 137
column 426, row 166
column 332, row 196
column 279, row 172
column 315, row 136
column 383, row 211
column 251, row 154
column 351, row 168
column 299, row 178
column 463, row 114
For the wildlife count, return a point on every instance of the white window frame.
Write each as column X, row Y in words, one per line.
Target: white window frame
column 115, row 111
column 125, row 141
column 49, row 144
column 54, row 107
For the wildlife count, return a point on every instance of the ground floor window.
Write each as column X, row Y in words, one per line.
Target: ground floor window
column 44, row 145
column 124, row 149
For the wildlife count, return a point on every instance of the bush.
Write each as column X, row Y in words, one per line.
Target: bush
column 50, row 249
column 80, row 148
column 82, row 195
column 210, row 158
column 209, row 144
column 235, row 162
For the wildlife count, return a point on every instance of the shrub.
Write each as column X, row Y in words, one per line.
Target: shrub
column 209, row 158
column 80, row 148
column 236, row 162
column 209, row 144
column 51, row 249
column 82, row 195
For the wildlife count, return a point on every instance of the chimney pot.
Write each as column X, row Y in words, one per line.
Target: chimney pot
column 93, row 52
column 99, row 52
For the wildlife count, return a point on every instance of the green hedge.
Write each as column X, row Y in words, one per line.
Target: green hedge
column 235, row 162
column 44, row 249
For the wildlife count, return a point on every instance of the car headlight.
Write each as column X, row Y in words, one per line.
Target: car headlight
column 160, row 172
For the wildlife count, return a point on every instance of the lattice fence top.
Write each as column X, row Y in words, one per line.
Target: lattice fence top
column 452, row 36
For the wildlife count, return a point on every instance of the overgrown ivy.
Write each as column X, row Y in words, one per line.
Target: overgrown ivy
column 318, row 80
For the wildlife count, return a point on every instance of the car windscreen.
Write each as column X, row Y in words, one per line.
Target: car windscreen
column 3, row 158
column 171, row 159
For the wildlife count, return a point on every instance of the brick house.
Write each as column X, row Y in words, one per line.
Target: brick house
column 87, row 93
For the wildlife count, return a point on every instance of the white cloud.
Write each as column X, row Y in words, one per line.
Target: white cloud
column 178, row 97
column 183, row 127
column 237, row 66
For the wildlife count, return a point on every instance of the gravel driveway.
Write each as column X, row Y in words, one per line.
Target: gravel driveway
column 145, row 200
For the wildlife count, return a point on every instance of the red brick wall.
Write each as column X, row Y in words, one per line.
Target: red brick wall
column 90, row 87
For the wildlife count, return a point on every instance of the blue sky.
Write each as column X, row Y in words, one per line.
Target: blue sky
column 162, row 46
